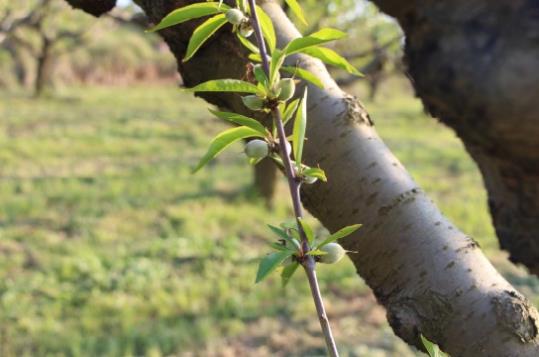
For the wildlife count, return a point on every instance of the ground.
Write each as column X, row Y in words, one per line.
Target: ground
column 110, row 247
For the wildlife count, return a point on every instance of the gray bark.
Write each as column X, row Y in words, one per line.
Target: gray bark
column 431, row 277
column 474, row 64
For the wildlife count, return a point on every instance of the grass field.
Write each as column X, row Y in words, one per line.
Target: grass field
column 110, row 247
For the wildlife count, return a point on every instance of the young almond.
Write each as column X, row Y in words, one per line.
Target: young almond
column 287, row 88
column 287, row 145
column 309, row 180
column 246, row 30
column 256, row 149
column 235, row 16
column 253, row 102
column 335, row 252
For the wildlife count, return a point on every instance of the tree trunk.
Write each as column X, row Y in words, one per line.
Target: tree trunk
column 432, row 278
column 43, row 66
column 475, row 66
column 265, row 180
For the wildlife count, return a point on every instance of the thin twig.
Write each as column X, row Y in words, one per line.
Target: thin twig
column 294, row 183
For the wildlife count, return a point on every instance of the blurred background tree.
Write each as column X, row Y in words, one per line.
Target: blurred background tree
column 373, row 43
column 44, row 42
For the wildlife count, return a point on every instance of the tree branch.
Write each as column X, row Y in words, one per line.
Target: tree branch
column 474, row 65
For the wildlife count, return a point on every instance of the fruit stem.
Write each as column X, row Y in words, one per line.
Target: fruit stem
column 294, row 184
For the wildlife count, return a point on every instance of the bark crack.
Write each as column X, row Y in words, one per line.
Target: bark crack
column 403, row 198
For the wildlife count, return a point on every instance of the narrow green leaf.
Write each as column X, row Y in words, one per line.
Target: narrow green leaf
column 316, row 172
column 287, row 272
column 279, row 247
column 278, row 231
column 267, row 28
column 332, row 58
column 290, row 109
column 255, row 57
column 241, row 120
column 277, row 60
column 202, row 33
column 341, row 233
column 248, row 44
column 307, row 229
column 303, row 74
column 189, row 12
column 432, row 349
column 224, row 139
column 298, row 133
column 269, row 263
column 282, row 233
column 315, row 39
column 297, row 10
column 261, row 77
column 253, row 161
column 225, row 85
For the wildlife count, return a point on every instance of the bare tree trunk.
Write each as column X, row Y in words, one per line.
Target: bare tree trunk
column 43, row 66
column 474, row 65
column 265, row 180
column 432, row 278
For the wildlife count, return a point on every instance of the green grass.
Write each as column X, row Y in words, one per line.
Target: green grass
column 110, row 247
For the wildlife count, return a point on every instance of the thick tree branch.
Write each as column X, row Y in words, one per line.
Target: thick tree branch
column 474, row 65
column 93, row 7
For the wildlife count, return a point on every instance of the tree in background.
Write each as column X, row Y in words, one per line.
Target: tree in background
column 43, row 31
column 44, row 43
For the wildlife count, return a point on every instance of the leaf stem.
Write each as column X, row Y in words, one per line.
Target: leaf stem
column 294, row 184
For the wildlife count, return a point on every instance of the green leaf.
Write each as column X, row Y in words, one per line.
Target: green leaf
column 316, row 172
column 224, row 139
column 303, row 74
column 341, row 233
column 269, row 263
column 298, row 133
column 255, row 57
column 279, row 247
column 277, row 60
column 225, row 85
column 261, row 77
column 241, row 120
column 332, row 58
column 290, row 109
column 248, row 44
column 307, row 229
column 253, row 161
column 267, row 28
column 317, row 38
column 288, row 271
column 432, row 348
column 202, row 33
column 297, row 10
column 189, row 12
column 282, row 233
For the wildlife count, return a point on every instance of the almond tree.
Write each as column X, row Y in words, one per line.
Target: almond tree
column 431, row 277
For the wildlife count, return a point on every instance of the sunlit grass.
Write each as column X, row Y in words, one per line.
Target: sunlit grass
column 110, row 247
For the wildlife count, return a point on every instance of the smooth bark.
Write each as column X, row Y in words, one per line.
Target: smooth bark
column 474, row 64
column 432, row 278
